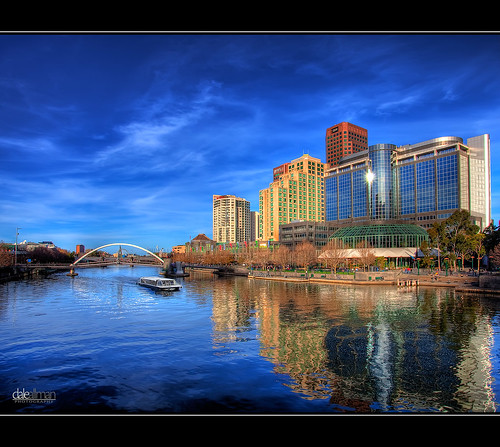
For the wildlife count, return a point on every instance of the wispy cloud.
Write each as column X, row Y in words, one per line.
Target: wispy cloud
column 165, row 117
column 144, row 138
column 399, row 105
column 28, row 145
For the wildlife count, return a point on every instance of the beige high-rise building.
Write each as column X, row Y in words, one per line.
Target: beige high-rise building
column 296, row 193
column 231, row 219
column 254, row 226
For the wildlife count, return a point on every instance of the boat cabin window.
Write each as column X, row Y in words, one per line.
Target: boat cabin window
column 165, row 282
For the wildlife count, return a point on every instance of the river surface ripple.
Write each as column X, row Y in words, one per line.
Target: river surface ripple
column 100, row 344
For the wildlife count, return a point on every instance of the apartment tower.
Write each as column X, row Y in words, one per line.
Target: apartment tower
column 231, row 219
column 296, row 193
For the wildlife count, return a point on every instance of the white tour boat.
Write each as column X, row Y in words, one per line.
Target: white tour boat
column 158, row 283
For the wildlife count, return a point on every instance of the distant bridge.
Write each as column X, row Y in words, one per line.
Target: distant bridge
column 47, row 267
column 118, row 260
column 90, row 264
column 162, row 261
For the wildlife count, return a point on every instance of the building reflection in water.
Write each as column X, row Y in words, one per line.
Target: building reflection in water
column 365, row 349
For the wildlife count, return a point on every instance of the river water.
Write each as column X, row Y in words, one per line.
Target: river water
column 99, row 344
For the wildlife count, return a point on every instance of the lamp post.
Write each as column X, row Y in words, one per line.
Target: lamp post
column 15, row 247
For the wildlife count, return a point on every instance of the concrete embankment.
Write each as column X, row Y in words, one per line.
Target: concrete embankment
column 361, row 278
column 485, row 284
column 12, row 273
column 217, row 270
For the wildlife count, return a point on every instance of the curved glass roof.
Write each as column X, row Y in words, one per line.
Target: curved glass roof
column 381, row 236
column 376, row 230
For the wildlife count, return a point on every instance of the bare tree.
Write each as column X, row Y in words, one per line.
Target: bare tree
column 334, row 254
column 305, row 254
column 366, row 253
column 262, row 256
column 247, row 255
column 495, row 255
column 6, row 258
column 281, row 256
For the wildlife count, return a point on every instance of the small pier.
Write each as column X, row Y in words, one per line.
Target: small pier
column 407, row 283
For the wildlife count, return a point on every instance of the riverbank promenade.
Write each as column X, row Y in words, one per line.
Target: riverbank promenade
column 460, row 281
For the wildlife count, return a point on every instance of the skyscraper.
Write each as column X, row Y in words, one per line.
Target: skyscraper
column 419, row 183
column 344, row 139
column 297, row 192
column 231, row 219
column 254, row 226
column 480, row 176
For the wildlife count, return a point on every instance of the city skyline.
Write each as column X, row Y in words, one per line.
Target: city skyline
column 126, row 137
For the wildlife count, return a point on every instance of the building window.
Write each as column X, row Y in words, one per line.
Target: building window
column 345, row 196
column 407, row 189
column 447, row 182
column 426, row 187
column 359, row 195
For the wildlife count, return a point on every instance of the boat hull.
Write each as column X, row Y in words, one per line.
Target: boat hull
column 157, row 283
column 160, row 288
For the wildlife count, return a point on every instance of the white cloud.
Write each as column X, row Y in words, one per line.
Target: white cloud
column 399, row 105
column 29, row 145
column 160, row 120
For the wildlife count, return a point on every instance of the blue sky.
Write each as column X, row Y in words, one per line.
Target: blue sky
column 125, row 137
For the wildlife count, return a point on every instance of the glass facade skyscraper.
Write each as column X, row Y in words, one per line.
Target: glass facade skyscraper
column 361, row 187
column 420, row 183
column 381, row 190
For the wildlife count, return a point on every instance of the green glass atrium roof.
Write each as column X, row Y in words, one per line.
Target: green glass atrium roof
column 376, row 230
column 382, row 236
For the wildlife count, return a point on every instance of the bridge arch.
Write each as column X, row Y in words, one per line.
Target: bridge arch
column 118, row 243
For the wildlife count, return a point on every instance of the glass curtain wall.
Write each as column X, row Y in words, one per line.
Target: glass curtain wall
column 422, row 185
column 381, row 187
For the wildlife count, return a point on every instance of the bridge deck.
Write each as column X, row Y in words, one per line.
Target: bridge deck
column 88, row 265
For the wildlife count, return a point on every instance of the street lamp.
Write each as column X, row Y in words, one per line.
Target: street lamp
column 15, row 247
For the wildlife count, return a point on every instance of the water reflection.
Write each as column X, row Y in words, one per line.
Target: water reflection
column 367, row 349
column 241, row 345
